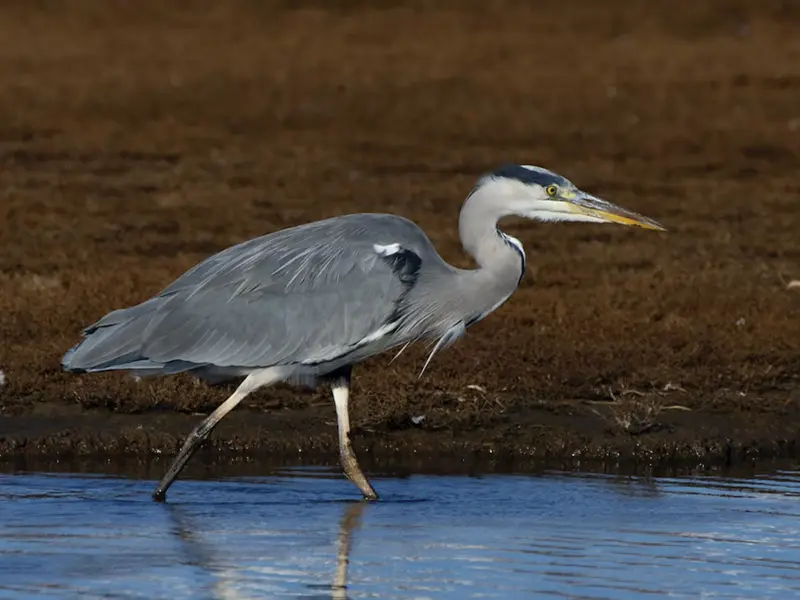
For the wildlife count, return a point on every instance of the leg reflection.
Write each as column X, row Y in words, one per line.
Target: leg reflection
column 221, row 582
column 351, row 520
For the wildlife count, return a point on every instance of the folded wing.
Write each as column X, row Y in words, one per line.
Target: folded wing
column 306, row 295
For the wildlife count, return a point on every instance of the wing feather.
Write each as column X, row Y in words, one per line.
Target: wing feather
column 304, row 295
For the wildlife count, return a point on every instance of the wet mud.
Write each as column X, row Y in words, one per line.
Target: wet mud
column 137, row 140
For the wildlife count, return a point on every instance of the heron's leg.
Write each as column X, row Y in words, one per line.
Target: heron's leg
column 253, row 381
column 341, row 394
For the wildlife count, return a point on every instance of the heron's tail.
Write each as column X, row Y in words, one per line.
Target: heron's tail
column 115, row 343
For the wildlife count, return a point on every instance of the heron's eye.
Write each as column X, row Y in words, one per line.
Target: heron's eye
column 551, row 190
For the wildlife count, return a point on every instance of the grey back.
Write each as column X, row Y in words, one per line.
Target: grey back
column 301, row 296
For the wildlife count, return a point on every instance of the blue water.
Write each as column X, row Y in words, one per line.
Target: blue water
column 298, row 534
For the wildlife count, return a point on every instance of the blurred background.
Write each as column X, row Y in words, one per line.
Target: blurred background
column 138, row 138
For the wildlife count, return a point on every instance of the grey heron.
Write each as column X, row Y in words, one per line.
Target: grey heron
column 303, row 305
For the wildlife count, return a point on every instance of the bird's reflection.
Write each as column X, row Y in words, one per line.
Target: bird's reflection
column 200, row 554
column 350, row 521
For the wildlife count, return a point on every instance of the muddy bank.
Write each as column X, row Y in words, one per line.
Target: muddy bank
column 574, row 433
column 140, row 141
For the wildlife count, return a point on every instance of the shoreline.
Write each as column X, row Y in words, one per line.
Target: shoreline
column 525, row 439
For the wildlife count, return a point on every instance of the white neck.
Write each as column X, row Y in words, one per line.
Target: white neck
column 477, row 225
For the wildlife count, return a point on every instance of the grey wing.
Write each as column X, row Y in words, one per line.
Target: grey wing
column 306, row 295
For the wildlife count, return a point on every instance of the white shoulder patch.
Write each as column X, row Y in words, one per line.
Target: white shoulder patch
column 387, row 250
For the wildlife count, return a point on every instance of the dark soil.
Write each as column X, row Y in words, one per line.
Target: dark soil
column 138, row 138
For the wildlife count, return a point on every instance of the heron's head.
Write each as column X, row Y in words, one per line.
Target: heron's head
column 536, row 193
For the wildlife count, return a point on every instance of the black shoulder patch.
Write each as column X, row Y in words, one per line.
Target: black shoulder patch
column 405, row 264
column 530, row 175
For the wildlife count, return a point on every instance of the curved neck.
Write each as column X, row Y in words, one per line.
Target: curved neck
column 464, row 296
column 480, row 237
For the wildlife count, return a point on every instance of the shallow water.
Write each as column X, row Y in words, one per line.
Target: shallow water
column 296, row 534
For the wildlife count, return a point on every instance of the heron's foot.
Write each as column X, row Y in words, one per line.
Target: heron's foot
column 354, row 473
column 370, row 496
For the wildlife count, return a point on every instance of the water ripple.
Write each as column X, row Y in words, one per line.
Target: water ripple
column 296, row 534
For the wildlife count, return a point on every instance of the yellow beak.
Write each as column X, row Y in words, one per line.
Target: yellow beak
column 595, row 207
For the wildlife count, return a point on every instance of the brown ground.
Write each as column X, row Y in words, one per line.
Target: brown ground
column 137, row 138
